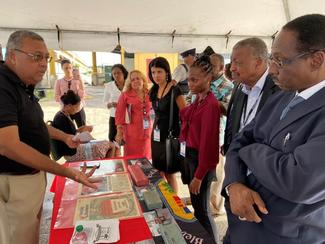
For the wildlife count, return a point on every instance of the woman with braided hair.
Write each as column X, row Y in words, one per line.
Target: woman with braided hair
column 199, row 141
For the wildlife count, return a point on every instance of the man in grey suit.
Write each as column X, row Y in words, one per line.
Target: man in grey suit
column 275, row 169
column 249, row 69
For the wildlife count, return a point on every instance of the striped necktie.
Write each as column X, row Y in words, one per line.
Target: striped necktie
column 291, row 104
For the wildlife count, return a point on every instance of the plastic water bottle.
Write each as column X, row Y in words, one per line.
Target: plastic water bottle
column 80, row 237
column 88, row 152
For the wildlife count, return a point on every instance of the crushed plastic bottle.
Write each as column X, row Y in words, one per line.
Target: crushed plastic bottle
column 152, row 114
column 80, row 236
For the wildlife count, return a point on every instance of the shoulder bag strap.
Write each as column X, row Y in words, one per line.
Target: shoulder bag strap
column 171, row 112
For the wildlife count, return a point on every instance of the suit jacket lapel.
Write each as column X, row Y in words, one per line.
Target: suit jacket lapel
column 302, row 109
column 231, row 101
column 237, row 110
column 240, row 99
column 268, row 89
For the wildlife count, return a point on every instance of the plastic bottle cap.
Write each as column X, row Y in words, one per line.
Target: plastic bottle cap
column 79, row 228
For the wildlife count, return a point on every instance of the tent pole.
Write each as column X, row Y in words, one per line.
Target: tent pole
column 286, row 10
column 53, row 76
column 122, row 56
column 94, row 69
column 126, row 33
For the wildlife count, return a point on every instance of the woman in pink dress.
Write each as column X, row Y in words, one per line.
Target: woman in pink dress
column 71, row 81
column 133, row 121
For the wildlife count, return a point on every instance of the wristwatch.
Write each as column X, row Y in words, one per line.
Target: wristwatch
column 227, row 190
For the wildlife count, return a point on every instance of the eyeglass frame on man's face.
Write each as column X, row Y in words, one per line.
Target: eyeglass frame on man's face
column 281, row 63
column 35, row 57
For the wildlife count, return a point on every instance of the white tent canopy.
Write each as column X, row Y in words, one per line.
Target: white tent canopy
column 151, row 26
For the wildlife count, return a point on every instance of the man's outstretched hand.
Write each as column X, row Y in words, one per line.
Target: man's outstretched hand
column 82, row 176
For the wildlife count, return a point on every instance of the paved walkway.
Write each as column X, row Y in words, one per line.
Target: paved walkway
column 98, row 116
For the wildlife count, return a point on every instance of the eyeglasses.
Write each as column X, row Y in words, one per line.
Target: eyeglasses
column 281, row 63
column 236, row 63
column 37, row 57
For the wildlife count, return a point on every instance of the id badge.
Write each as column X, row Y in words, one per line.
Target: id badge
column 183, row 148
column 156, row 135
column 146, row 124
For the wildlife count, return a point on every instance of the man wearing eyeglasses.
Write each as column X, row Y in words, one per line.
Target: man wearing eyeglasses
column 24, row 140
column 275, row 171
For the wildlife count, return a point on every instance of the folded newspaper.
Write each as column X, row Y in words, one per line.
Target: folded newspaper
column 128, row 111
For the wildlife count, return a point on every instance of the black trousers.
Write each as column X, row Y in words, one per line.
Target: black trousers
column 201, row 201
column 112, row 129
column 79, row 117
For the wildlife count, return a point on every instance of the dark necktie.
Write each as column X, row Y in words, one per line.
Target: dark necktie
column 296, row 100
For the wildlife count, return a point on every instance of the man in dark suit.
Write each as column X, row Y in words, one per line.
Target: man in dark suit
column 249, row 69
column 275, row 171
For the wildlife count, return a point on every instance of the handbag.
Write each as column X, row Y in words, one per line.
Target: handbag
column 173, row 157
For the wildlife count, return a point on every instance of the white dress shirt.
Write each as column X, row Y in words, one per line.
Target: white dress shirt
column 111, row 94
column 179, row 73
column 311, row 90
column 253, row 100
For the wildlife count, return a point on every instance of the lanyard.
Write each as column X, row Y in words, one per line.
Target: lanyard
column 162, row 95
column 144, row 104
column 69, row 83
column 118, row 87
column 188, row 122
column 245, row 118
column 157, row 105
column 195, row 105
column 68, row 117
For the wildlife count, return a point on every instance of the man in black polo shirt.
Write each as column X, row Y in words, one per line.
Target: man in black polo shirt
column 24, row 140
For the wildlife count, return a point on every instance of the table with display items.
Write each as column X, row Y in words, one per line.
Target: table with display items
column 136, row 229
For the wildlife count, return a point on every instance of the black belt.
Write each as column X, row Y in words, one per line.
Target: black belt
column 20, row 173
